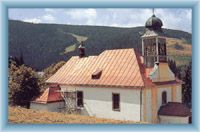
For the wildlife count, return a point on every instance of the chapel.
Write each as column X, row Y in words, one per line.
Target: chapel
column 123, row 84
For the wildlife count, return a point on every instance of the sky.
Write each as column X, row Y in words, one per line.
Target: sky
column 172, row 18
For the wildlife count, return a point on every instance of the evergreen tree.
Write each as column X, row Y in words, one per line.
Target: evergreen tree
column 173, row 67
column 187, row 87
column 178, row 74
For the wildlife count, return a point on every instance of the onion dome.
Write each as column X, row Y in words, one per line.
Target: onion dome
column 154, row 23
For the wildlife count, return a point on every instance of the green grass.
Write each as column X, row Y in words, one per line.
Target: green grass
column 79, row 38
column 68, row 49
column 73, row 47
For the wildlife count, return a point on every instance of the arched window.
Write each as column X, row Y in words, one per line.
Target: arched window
column 164, row 97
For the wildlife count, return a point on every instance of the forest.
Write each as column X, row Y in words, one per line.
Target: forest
column 44, row 44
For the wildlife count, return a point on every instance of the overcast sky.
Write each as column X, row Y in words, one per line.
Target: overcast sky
column 180, row 18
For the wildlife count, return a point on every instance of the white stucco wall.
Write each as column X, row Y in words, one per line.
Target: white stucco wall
column 53, row 107
column 98, row 102
column 173, row 120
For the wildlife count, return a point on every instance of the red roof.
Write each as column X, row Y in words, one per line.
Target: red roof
column 174, row 109
column 120, row 67
column 51, row 94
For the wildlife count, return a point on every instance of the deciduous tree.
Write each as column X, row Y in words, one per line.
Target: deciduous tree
column 23, row 85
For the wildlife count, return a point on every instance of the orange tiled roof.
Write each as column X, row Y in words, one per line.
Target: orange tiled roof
column 120, row 67
column 51, row 94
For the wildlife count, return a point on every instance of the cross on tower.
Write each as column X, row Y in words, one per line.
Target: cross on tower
column 153, row 11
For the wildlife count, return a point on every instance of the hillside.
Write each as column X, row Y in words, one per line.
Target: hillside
column 180, row 50
column 44, row 44
column 28, row 116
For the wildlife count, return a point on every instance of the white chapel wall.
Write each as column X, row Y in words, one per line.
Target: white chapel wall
column 38, row 106
column 98, row 102
column 53, row 107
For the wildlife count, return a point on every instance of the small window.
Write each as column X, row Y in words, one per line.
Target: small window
column 116, row 102
column 79, row 98
column 164, row 97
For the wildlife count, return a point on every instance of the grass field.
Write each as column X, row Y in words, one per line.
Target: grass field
column 73, row 47
column 28, row 116
column 182, row 56
column 185, row 51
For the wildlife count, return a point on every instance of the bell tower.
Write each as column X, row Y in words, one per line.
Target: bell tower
column 154, row 50
column 153, row 42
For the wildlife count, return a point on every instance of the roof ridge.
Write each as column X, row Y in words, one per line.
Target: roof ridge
column 85, row 56
column 119, row 49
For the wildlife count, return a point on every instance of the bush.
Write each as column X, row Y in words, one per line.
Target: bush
column 23, row 85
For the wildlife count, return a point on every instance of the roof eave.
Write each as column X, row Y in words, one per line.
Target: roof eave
column 97, row 85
